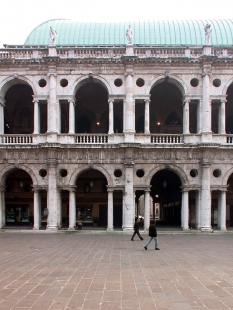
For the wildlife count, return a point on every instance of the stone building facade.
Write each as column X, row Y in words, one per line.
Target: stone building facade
column 91, row 126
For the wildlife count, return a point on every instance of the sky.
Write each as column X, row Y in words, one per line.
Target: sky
column 20, row 17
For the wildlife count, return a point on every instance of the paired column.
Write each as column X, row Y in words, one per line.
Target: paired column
column 222, row 210
column 147, row 116
column 185, row 209
column 2, row 125
column 186, row 117
column 2, row 207
column 129, row 203
column 205, row 207
column 37, row 213
column 52, row 195
column 71, row 116
column 52, row 103
column 147, row 209
column 129, row 118
column 197, row 202
column 111, row 119
column 110, row 209
column 36, row 117
column 222, row 117
column 72, row 209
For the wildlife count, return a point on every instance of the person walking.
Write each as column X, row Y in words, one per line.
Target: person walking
column 136, row 230
column 153, row 235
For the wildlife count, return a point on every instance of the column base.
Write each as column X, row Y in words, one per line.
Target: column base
column 223, row 228
column 52, row 228
column 128, row 136
column 185, row 228
column 35, row 228
column 71, row 228
column 110, row 229
column 127, row 229
column 206, row 229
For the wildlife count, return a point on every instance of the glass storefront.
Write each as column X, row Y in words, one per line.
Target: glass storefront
column 17, row 214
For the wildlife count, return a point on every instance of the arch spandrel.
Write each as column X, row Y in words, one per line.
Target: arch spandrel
column 84, row 79
column 77, row 172
column 179, row 83
column 8, row 169
column 225, row 88
column 226, row 176
column 173, row 168
column 7, row 83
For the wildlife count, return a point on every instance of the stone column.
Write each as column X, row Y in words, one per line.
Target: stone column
column 206, row 106
column 110, row 209
column 59, row 209
column 52, row 195
column 111, row 117
column 72, row 210
column 222, row 210
column 186, row 117
column 2, row 125
column 222, row 121
column 37, row 207
column 197, row 202
column 128, row 206
column 147, row 209
column 129, row 117
column 52, row 104
column 2, row 207
column 71, row 116
column 205, row 207
column 185, row 210
column 199, row 109
column 36, row 117
column 147, row 117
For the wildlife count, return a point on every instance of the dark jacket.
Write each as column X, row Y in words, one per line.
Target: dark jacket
column 136, row 226
column 152, row 231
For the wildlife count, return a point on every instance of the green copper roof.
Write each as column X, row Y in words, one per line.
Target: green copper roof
column 164, row 33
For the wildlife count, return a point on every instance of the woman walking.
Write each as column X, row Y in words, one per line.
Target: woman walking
column 153, row 235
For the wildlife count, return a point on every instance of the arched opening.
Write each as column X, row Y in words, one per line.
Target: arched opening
column 166, row 198
column 92, row 201
column 19, row 199
column 92, row 103
column 166, row 108
column 19, row 110
column 229, row 110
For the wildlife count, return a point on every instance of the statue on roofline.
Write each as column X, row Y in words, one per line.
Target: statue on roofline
column 129, row 35
column 53, row 36
column 208, row 32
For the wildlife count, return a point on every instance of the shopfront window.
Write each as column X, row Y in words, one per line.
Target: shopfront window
column 84, row 213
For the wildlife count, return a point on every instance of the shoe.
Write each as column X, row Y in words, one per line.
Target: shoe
column 145, row 247
column 132, row 240
column 142, row 239
column 157, row 249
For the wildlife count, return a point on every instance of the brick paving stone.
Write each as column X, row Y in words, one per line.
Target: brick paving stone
column 106, row 271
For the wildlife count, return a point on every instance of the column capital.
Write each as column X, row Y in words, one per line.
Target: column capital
column 127, row 73
column 221, row 188
column 147, row 100
column 110, row 100
column 37, row 188
column 72, row 101
column 186, row 101
column 51, row 73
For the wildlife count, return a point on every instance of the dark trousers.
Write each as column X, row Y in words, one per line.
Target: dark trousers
column 136, row 232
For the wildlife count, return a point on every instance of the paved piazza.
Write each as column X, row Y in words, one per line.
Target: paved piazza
column 100, row 270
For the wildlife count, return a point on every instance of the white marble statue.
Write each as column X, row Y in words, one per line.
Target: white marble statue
column 208, row 32
column 129, row 35
column 53, row 36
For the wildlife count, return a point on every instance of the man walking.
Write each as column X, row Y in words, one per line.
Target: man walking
column 136, row 230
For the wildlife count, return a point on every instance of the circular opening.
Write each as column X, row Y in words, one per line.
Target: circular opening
column 193, row 173
column 63, row 173
column 216, row 82
column 118, row 82
column 140, row 173
column 64, row 82
column 140, row 82
column 194, row 82
column 118, row 173
column 42, row 83
column 43, row 173
column 217, row 173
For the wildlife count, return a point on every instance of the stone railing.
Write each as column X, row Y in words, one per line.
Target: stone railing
column 166, row 139
column 91, row 138
column 16, row 139
column 229, row 139
column 26, row 52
